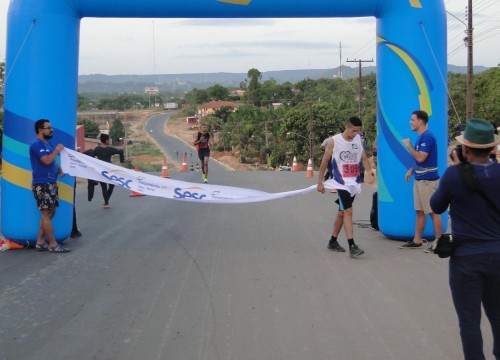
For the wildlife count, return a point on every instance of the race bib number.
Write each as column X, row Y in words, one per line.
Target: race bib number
column 350, row 170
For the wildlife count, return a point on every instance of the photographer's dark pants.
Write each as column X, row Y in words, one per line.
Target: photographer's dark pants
column 475, row 280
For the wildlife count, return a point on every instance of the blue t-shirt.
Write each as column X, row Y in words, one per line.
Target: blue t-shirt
column 471, row 216
column 42, row 174
column 427, row 170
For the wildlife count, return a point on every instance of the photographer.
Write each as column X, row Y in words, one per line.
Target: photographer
column 456, row 155
column 474, row 274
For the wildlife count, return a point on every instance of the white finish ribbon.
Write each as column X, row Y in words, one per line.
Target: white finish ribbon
column 77, row 164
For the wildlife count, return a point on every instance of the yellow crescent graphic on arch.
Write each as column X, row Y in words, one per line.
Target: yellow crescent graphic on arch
column 415, row 3
column 237, row 2
column 22, row 178
column 424, row 97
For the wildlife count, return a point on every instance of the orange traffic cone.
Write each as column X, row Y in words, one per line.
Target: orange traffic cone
column 184, row 166
column 309, row 172
column 294, row 164
column 7, row 244
column 164, row 169
column 133, row 193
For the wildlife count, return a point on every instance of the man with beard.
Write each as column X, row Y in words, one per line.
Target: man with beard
column 44, row 184
column 425, row 173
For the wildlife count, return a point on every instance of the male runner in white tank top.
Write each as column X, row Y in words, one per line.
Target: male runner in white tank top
column 345, row 152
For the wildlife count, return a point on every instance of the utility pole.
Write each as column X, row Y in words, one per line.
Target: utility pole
column 360, row 93
column 469, row 105
column 310, row 126
column 266, row 139
column 266, row 136
column 340, row 67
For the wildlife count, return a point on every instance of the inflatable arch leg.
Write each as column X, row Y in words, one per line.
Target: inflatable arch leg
column 42, row 72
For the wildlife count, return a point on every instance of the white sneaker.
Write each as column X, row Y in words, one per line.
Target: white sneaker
column 431, row 245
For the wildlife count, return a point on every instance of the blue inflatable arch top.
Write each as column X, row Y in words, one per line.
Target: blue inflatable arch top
column 42, row 72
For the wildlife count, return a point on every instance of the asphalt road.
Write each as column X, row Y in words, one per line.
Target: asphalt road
column 161, row 279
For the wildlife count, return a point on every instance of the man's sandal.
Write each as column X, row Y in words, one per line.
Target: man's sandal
column 41, row 247
column 58, row 249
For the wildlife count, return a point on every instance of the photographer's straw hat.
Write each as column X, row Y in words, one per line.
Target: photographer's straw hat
column 478, row 134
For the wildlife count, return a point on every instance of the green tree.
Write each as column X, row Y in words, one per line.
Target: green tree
column 307, row 124
column 196, row 97
column 218, row 92
column 369, row 108
column 242, row 123
column 121, row 102
column 269, row 92
column 117, row 130
column 247, row 114
column 278, row 156
column 457, row 84
column 307, row 89
column 223, row 113
column 294, row 132
column 83, row 103
column 487, row 95
column 213, row 122
column 91, row 129
column 253, row 94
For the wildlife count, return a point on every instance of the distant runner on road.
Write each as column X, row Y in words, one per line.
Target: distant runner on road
column 202, row 144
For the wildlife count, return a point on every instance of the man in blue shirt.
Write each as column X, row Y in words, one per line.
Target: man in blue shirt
column 426, row 176
column 44, row 184
column 474, row 276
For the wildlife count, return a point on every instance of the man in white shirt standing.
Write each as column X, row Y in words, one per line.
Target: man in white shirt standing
column 325, row 142
column 328, row 173
column 346, row 153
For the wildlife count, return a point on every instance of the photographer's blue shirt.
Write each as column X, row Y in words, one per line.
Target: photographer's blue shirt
column 42, row 174
column 428, row 169
column 471, row 216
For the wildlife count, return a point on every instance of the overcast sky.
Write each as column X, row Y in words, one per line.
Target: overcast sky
column 175, row 46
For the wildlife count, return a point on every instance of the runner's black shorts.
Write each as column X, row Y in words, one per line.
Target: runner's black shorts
column 345, row 199
column 202, row 153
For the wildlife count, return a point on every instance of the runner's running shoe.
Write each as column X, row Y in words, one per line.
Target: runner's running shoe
column 355, row 251
column 334, row 246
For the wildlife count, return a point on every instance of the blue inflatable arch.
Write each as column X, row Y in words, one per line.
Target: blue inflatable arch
column 42, row 74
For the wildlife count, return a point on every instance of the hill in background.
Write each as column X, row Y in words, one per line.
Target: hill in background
column 99, row 83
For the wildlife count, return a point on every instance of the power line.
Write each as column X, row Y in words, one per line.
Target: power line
column 469, row 105
column 360, row 93
column 488, row 37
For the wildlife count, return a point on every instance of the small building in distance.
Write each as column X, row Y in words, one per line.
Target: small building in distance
column 211, row 107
